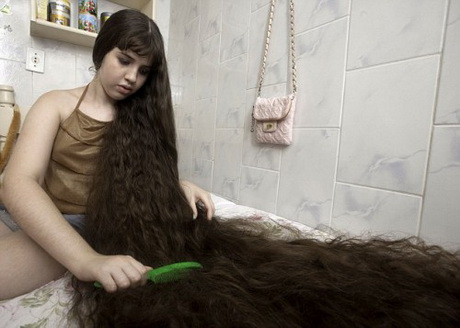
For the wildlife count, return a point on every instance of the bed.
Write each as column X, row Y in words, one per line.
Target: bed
column 48, row 305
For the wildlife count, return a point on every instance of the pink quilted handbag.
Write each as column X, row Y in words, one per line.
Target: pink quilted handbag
column 274, row 119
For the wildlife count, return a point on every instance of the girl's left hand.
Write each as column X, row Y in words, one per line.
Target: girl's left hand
column 195, row 195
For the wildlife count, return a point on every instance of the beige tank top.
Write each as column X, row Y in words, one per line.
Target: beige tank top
column 73, row 160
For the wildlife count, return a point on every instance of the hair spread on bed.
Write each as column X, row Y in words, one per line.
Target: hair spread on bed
column 248, row 279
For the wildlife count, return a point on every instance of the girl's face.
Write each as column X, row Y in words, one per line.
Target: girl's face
column 123, row 72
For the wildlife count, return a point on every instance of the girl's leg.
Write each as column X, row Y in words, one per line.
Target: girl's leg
column 24, row 265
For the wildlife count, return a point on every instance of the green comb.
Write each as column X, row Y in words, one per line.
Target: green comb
column 167, row 273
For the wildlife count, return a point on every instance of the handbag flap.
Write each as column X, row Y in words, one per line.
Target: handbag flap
column 272, row 109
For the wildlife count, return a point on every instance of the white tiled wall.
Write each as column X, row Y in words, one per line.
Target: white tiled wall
column 377, row 127
column 66, row 65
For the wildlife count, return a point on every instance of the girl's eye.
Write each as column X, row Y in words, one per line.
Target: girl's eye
column 123, row 61
column 144, row 71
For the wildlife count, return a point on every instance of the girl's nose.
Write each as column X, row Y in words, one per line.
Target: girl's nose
column 131, row 75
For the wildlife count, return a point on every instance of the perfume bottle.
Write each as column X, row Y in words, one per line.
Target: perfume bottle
column 10, row 122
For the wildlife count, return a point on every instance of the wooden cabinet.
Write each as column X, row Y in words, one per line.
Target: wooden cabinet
column 44, row 29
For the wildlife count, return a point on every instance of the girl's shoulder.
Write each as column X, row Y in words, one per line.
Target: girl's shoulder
column 63, row 101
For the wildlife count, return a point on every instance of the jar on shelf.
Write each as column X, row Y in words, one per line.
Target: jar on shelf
column 87, row 15
column 59, row 12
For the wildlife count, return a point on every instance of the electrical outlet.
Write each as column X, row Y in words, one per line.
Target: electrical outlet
column 35, row 60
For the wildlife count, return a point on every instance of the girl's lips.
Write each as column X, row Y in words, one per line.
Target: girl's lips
column 124, row 89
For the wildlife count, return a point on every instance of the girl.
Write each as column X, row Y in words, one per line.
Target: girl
column 137, row 207
column 53, row 164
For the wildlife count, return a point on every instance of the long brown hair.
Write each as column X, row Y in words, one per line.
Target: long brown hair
column 249, row 279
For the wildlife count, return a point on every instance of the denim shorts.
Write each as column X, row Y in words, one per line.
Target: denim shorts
column 77, row 221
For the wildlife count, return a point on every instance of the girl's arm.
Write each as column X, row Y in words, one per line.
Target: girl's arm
column 37, row 215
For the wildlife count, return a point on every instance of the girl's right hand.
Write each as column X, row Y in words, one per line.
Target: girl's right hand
column 114, row 272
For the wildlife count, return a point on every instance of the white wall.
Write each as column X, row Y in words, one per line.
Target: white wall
column 377, row 127
column 377, row 136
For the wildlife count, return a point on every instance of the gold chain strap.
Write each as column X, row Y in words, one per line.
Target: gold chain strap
column 267, row 44
column 292, row 47
column 293, row 58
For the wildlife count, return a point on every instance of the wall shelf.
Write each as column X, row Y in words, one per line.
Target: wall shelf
column 44, row 29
